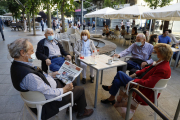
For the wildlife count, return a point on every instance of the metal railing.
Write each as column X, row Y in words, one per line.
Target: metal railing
column 157, row 110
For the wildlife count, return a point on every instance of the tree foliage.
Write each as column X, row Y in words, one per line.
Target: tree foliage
column 113, row 3
column 157, row 3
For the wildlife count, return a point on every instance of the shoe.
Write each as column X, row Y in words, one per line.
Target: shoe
column 106, row 101
column 92, row 79
column 84, row 80
column 74, row 109
column 105, row 87
column 87, row 113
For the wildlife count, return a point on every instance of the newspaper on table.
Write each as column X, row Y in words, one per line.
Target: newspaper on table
column 68, row 72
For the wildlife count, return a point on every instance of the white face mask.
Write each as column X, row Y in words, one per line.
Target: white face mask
column 84, row 37
column 33, row 57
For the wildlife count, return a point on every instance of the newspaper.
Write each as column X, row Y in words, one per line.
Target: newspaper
column 68, row 72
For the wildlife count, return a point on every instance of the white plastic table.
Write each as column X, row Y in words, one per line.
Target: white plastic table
column 101, row 64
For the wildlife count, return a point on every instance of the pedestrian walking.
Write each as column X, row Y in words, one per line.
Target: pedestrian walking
column 54, row 25
column 84, row 25
column 57, row 24
column 1, row 29
column 79, row 24
column 93, row 25
column 128, row 24
column 89, row 25
column 25, row 25
column 42, row 24
column 104, row 23
column 122, row 23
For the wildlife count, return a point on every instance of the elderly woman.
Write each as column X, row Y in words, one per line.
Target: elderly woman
column 147, row 77
column 26, row 77
column 84, row 48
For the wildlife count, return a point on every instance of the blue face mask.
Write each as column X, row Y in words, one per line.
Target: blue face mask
column 33, row 57
column 138, row 43
column 51, row 37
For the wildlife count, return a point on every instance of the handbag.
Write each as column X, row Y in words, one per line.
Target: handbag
column 121, row 104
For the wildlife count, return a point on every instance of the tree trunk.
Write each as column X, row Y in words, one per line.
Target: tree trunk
column 153, row 25
column 62, row 16
column 29, row 22
column 49, row 16
column 166, row 25
column 34, row 30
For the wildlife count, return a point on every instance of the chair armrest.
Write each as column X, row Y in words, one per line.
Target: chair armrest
column 129, row 85
column 50, row 100
column 127, row 57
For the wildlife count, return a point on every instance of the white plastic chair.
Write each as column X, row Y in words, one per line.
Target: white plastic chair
column 160, row 85
column 57, row 33
column 34, row 99
column 127, row 38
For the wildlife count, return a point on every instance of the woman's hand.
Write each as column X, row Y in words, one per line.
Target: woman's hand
column 67, row 88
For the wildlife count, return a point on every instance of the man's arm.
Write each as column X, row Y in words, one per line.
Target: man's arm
column 33, row 82
column 127, row 51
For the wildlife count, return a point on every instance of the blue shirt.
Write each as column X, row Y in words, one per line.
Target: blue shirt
column 86, row 50
column 163, row 39
column 93, row 22
column 139, row 52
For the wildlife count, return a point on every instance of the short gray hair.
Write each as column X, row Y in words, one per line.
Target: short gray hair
column 16, row 46
column 48, row 29
column 141, row 35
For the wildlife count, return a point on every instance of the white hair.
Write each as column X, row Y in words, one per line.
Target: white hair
column 141, row 35
column 16, row 46
column 48, row 29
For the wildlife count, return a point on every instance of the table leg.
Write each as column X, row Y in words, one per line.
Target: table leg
column 78, row 78
column 95, row 100
column 124, row 68
column 170, row 60
column 101, row 76
column 177, row 58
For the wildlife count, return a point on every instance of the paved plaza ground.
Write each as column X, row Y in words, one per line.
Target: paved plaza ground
column 11, row 105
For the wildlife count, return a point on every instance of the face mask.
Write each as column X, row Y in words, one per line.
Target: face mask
column 51, row 37
column 84, row 37
column 33, row 57
column 138, row 43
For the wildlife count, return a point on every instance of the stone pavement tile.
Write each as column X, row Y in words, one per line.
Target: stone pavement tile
column 14, row 104
column 9, row 116
column 7, row 80
column 12, row 91
column 4, row 99
column 4, row 88
column 2, row 78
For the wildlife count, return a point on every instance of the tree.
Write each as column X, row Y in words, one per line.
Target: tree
column 63, row 5
column 155, row 4
column 113, row 3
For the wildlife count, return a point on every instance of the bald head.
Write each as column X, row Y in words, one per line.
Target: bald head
column 48, row 32
column 141, row 35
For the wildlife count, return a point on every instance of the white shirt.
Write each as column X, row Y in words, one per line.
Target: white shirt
column 79, row 23
column 56, row 21
column 128, row 23
column 121, row 23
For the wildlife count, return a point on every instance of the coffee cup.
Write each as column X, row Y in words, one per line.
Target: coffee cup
column 115, row 58
column 109, row 61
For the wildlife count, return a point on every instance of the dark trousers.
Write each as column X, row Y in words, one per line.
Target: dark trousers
column 132, row 65
column 78, row 96
column 54, row 27
column 121, row 79
column 1, row 30
column 42, row 27
column 127, row 29
column 84, row 27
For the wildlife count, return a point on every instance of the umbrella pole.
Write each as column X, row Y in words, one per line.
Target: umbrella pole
column 140, row 21
column 150, row 27
column 95, row 24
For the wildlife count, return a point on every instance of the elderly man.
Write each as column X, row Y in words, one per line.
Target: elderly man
column 140, row 51
column 51, row 52
column 164, row 38
column 25, row 77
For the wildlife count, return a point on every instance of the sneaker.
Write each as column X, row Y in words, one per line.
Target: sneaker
column 87, row 113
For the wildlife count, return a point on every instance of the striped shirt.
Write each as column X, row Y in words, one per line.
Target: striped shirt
column 33, row 82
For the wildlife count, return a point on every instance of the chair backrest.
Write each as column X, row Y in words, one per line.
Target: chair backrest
column 128, row 37
column 73, row 38
column 161, row 84
column 70, row 31
column 32, row 96
column 116, row 32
